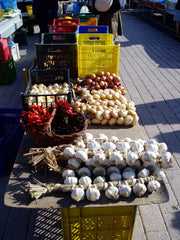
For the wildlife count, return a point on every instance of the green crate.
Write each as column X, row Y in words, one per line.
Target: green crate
column 98, row 223
column 7, row 72
column 53, row 56
column 84, row 17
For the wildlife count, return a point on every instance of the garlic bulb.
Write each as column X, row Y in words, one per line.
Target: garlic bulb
column 132, row 159
column 72, row 162
column 162, row 148
column 153, row 186
column 115, row 176
column 80, row 144
column 93, row 194
column 125, row 190
column 93, row 145
column 108, row 146
column 112, row 169
column 68, row 173
column 128, row 173
column 71, row 180
column 99, row 179
column 117, row 159
column 102, row 136
column 99, row 171
column 99, row 158
column 87, row 136
column 69, row 152
column 166, row 160
column 150, row 141
column 78, row 194
column 113, row 138
column 123, row 146
column 81, row 155
column 143, row 173
column 139, row 189
column 137, row 146
column 149, row 157
column 112, row 193
column 150, row 165
column 84, row 171
column 159, row 174
column 85, row 181
column 90, row 163
column 152, row 147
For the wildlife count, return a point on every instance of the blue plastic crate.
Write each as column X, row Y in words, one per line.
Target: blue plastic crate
column 92, row 29
column 11, row 134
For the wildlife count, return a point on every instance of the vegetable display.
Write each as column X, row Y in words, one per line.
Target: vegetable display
column 119, row 168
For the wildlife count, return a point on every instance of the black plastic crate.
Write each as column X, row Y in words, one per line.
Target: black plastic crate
column 11, row 134
column 47, row 77
column 53, row 56
column 58, row 38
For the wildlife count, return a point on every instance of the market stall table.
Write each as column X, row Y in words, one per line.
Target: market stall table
column 76, row 214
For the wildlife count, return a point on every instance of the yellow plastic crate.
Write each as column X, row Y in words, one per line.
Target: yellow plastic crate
column 91, row 21
column 94, row 39
column 93, row 59
column 101, row 223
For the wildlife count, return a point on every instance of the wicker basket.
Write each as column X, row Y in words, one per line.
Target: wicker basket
column 42, row 139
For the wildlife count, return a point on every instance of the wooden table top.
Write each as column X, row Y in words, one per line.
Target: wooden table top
column 23, row 173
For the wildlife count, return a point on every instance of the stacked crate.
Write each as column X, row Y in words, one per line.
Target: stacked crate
column 7, row 67
column 96, row 51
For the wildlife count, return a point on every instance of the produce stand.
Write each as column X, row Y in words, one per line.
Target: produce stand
column 81, row 218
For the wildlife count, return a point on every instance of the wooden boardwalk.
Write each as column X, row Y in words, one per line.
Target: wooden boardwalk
column 150, row 71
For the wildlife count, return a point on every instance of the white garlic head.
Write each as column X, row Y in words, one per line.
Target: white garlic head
column 112, row 193
column 92, row 194
column 125, row 190
column 99, row 158
column 149, row 156
column 116, row 158
column 159, row 174
column 132, row 159
column 87, row 137
column 102, row 136
column 139, row 189
column 84, row 171
column 166, row 160
column 108, row 146
column 78, row 194
column 69, row 152
column 115, row 176
column 128, row 175
column 153, row 186
column 143, row 173
column 81, row 155
column 71, row 180
column 136, row 146
column 72, row 162
column 99, row 171
column 85, row 181
column 99, row 179
column 93, row 145
column 123, row 146
column 68, row 173
column 112, row 169
column 113, row 138
column 80, row 144
column 150, row 141
column 152, row 147
column 163, row 147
